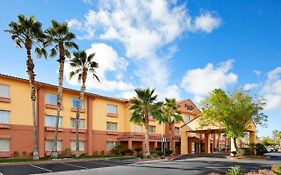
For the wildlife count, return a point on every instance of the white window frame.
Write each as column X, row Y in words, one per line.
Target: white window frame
column 5, row 147
column 7, row 95
column 49, row 99
column 137, row 128
column 8, row 117
column 110, row 144
column 109, row 128
column 112, row 109
column 53, row 122
column 184, row 118
column 150, row 130
column 50, row 142
column 81, row 145
column 72, row 103
column 73, row 123
column 177, row 130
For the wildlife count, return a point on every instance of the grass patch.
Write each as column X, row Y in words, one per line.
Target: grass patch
column 9, row 160
column 124, row 158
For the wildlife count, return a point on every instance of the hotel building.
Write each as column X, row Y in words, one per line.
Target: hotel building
column 104, row 122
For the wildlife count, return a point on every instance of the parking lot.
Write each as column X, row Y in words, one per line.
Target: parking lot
column 189, row 165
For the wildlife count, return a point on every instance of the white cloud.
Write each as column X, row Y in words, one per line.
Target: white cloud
column 201, row 81
column 207, row 22
column 109, row 62
column 272, row 90
column 90, row 2
column 250, row 86
column 257, row 72
column 143, row 28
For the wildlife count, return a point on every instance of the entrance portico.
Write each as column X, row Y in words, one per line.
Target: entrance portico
column 209, row 139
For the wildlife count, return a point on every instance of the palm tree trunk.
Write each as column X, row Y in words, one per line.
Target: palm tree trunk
column 146, row 137
column 81, row 99
column 30, row 71
column 170, row 133
column 235, row 144
column 59, row 99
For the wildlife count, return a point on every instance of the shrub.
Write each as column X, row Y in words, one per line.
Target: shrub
column 129, row 152
column 117, row 150
column 102, row 152
column 16, row 154
column 276, row 169
column 31, row 154
column 168, row 152
column 66, row 152
column 138, row 149
column 95, row 153
column 260, row 149
column 24, row 153
column 244, row 152
column 235, row 171
column 159, row 152
column 261, row 172
column 140, row 156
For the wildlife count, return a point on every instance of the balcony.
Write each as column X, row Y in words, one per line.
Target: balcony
column 51, row 128
column 52, row 106
column 5, row 99
column 112, row 115
column 111, row 132
column 79, row 130
column 74, row 109
column 4, row 125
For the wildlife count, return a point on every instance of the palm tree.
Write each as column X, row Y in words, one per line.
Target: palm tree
column 82, row 65
column 171, row 115
column 142, row 106
column 60, row 38
column 27, row 32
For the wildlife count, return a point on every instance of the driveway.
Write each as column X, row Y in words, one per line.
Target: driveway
column 275, row 155
column 190, row 166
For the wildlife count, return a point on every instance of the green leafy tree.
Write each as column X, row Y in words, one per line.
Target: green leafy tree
column 267, row 141
column 27, row 32
column 61, row 40
column 170, row 115
column 234, row 113
column 142, row 106
column 82, row 65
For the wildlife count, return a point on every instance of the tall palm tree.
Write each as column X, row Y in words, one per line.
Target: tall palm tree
column 61, row 40
column 83, row 65
column 171, row 115
column 142, row 106
column 27, row 32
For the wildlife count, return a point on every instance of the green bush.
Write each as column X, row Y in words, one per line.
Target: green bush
column 159, row 152
column 24, row 153
column 276, row 169
column 117, row 150
column 260, row 149
column 244, row 152
column 138, row 149
column 235, row 171
column 16, row 154
column 140, row 156
column 168, row 152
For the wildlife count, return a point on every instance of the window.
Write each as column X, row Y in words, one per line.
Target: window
column 137, row 128
column 4, row 117
column 81, row 145
column 177, row 130
column 51, row 121
column 4, row 91
column 81, row 123
column 110, row 145
column 51, row 99
column 111, row 109
column 186, row 118
column 49, row 144
column 4, row 144
column 111, row 126
column 75, row 103
column 151, row 129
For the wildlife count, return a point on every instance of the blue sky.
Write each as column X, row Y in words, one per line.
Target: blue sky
column 182, row 48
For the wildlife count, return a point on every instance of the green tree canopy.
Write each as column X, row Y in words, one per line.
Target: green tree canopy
column 234, row 113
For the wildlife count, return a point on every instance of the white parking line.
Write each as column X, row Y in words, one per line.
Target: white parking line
column 40, row 168
column 1, row 173
column 78, row 166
